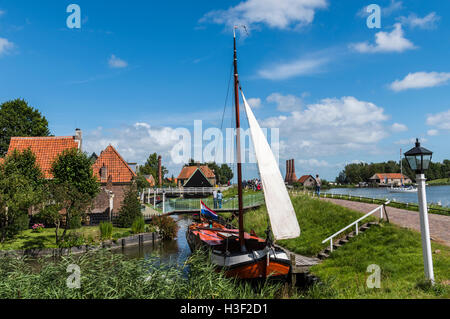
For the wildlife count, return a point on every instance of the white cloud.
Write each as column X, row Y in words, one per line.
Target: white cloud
column 420, row 80
column 440, row 120
column 329, row 127
column 398, row 127
column 280, row 14
column 117, row 63
column 433, row 132
column 292, row 69
column 285, row 103
column 393, row 7
column 254, row 102
column 5, row 46
column 386, row 42
column 135, row 142
column 427, row 22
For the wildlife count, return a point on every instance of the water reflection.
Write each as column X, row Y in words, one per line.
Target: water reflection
column 169, row 251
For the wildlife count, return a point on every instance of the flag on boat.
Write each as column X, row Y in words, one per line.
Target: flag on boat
column 208, row 212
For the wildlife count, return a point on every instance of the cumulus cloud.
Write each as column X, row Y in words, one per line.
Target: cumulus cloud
column 254, row 102
column 427, row 22
column 279, row 14
column 5, row 46
column 385, row 11
column 420, row 80
column 329, row 127
column 393, row 41
column 433, row 132
column 117, row 63
column 285, row 103
column 135, row 142
column 440, row 120
column 398, row 127
column 410, row 141
column 292, row 69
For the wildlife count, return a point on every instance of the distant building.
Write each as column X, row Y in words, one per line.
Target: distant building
column 46, row 149
column 385, row 179
column 115, row 177
column 307, row 180
column 196, row 176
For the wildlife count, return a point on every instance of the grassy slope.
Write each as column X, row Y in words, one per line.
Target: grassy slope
column 397, row 251
column 27, row 239
column 442, row 181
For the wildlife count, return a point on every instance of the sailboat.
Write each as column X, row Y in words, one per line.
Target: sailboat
column 234, row 251
column 402, row 188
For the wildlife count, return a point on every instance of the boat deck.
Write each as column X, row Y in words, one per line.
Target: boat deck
column 300, row 263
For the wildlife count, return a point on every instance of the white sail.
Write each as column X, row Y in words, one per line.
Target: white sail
column 279, row 206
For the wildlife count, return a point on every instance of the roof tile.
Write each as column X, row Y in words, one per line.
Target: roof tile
column 116, row 166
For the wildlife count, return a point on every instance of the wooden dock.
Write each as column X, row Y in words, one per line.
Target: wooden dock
column 300, row 264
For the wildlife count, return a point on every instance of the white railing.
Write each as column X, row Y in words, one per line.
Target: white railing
column 355, row 223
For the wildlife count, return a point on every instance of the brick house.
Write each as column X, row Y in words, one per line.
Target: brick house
column 115, row 177
column 196, row 176
column 307, row 180
column 384, row 179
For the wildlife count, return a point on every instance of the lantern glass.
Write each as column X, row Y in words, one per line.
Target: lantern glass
column 412, row 162
column 426, row 162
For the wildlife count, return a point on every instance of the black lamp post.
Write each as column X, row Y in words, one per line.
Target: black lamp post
column 419, row 159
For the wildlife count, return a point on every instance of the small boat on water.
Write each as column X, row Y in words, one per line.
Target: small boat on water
column 402, row 188
column 238, row 253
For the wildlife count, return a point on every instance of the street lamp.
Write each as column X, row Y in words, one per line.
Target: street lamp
column 418, row 159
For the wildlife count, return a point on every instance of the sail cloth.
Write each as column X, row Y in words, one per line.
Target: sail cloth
column 279, row 206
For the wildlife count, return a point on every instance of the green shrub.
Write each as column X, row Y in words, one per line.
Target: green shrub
column 75, row 222
column 131, row 208
column 72, row 240
column 166, row 226
column 106, row 229
column 138, row 225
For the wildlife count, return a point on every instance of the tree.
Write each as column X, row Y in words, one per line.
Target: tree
column 151, row 167
column 20, row 190
column 76, row 185
column 17, row 118
column 131, row 207
column 226, row 174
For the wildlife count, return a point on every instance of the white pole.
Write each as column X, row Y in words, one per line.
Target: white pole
column 154, row 199
column 424, row 228
column 164, row 203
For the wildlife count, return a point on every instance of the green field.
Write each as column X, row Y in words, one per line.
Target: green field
column 397, row 251
column 442, row 181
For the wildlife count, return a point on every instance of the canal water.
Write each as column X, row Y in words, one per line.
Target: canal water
column 170, row 252
column 435, row 194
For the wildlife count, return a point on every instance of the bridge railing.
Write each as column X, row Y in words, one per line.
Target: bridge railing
column 356, row 223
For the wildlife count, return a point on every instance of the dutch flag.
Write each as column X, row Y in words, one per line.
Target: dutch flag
column 207, row 212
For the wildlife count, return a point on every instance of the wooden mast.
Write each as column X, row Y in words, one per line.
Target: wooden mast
column 238, row 147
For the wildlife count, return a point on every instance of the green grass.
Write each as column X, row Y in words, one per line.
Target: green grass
column 46, row 239
column 442, row 181
column 111, row 276
column 396, row 250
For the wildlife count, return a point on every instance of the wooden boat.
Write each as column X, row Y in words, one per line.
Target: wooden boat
column 240, row 254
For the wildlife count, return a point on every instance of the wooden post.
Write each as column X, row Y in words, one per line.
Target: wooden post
column 293, row 274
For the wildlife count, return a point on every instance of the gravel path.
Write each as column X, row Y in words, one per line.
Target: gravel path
column 439, row 224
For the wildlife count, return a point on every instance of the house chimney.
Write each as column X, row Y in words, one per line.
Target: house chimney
column 293, row 176
column 286, row 179
column 159, row 171
column 78, row 137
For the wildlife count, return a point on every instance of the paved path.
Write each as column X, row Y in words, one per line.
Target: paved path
column 439, row 224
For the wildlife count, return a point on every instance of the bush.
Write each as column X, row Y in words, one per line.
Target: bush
column 167, row 226
column 138, row 225
column 131, row 208
column 72, row 240
column 106, row 230
column 75, row 222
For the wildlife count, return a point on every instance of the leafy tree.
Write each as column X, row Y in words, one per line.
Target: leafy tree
column 151, row 167
column 74, row 185
column 226, row 174
column 131, row 207
column 20, row 182
column 17, row 118
column 141, row 182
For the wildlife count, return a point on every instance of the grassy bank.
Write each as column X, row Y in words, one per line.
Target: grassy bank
column 396, row 250
column 442, row 181
column 28, row 239
column 110, row 276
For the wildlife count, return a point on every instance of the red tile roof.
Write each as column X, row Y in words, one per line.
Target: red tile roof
column 304, row 178
column 390, row 176
column 46, row 149
column 187, row 172
column 117, row 168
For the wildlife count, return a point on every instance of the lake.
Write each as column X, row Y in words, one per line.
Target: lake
column 435, row 194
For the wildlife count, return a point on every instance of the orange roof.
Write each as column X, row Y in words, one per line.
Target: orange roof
column 46, row 149
column 390, row 176
column 304, row 178
column 2, row 160
column 187, row 172
column 117, row 168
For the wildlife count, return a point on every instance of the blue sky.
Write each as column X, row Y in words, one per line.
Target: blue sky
column 136, row 70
